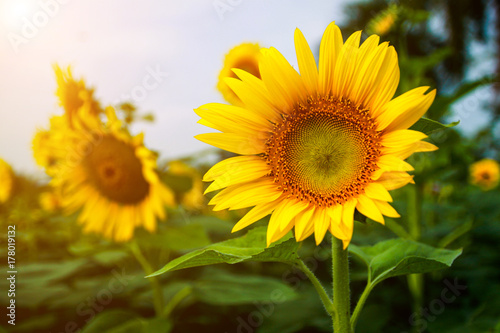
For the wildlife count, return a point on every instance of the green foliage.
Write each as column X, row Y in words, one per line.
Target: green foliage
column 118, row 321
column 429, row 126
column 397, row 257
column 221, row 288
column 250, row 247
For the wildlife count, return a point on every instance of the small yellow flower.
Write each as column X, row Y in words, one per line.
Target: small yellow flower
column 192, row 199
column 485, row 174
column 384, row 21
column 317, row 145
column 6, row 181
column 245, row 57
column 50, row 201
column 74, row 94
column 48, row 145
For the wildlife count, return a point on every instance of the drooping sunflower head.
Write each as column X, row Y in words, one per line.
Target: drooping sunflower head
column 111, row 177
column 245, row 57
column 485, row 174
column 317, row 145
column 6, row 181
column 74, row 94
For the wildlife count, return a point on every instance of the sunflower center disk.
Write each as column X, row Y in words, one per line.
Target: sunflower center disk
column 324, row 151
column 116, row 172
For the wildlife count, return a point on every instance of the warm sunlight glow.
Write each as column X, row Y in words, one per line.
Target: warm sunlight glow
column 14, row 12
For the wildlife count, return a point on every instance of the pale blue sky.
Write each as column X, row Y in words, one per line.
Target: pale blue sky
column 113, row 45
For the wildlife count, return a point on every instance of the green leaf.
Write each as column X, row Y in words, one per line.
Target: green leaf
column 401, row 257
column 120, row 321
column 304, row 314
column 250, row 247
column 221, row 288
column 428, row 126
column 111, row 320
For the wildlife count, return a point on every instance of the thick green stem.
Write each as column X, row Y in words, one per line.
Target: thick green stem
column 341, row 292
column 155, row 283
column 361, row 303
column 413, row 212
column 415, row 281
column 319, row 287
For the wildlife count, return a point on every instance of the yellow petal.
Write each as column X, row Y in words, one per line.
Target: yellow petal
column 254, row 94
column 280, row 234
column 393, row 180
column 371, row 59
column 229, row 164
column 233, row 118
column 348, row 220
column 423, row 146
column 321, row 223
column 387, row 82
column 291, row 210
column 404, row 152
column 246, row 195
column 241, row 173
column 254, row 215
column 307, row 64
column 280, row 216
column 284, row 84
column 366, row 207
column 392, row 163
column 401, row 138
column 235, row 143
column 377, row 191
column 403, row 111
column 302, row 222
column 336, row 227
column 346, row 65
column 386, row 209
column 330, row 47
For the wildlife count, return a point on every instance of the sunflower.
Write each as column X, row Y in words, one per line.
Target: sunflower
column 317, row 145
column 111, row 176
column 77, row 101
column 485, row 174
column 50, row 201
column 73, row 94
column 193, row 198
column 6, row 181
column 48, row 145
column 245, row 57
